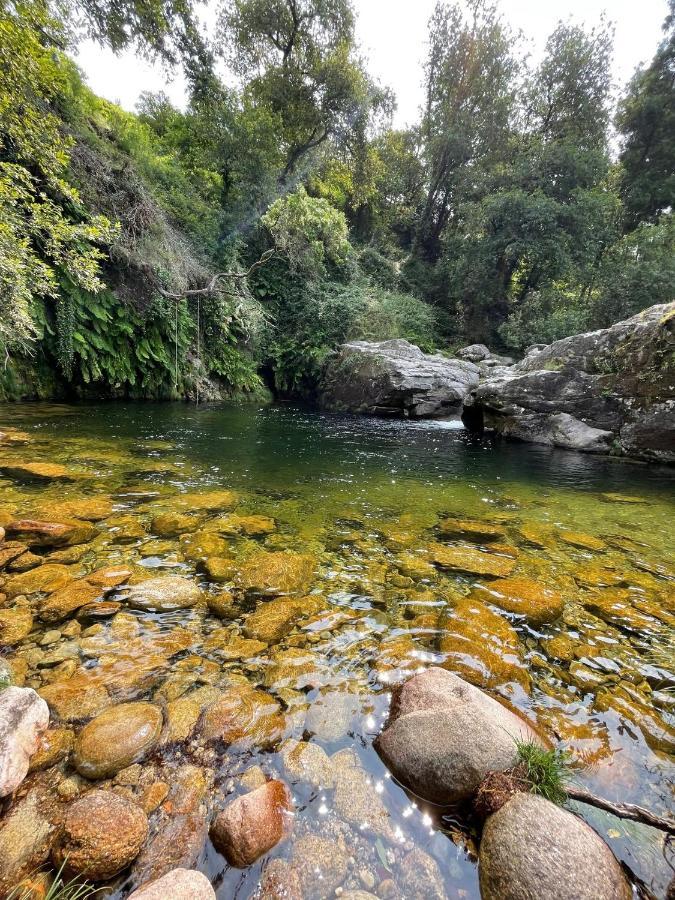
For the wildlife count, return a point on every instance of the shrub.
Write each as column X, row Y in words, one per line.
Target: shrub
column 379, row 268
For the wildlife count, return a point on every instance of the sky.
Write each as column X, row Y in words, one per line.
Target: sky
column 392, row 35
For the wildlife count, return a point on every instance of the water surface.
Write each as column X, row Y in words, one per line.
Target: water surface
column 364, row 499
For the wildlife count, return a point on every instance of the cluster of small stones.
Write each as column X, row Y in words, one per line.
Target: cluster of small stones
column 159, row 687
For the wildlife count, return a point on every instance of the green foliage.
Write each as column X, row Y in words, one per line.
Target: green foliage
column 646, row 120
column 378, row 267
column 43, row 227
column 309, row 232
column 546, row 770
column 60, row 889
column 385, row 315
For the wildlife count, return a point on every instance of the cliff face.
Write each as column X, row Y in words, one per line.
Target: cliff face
column 607, row 390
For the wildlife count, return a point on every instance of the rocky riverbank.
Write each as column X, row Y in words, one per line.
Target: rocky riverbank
column 607, row 391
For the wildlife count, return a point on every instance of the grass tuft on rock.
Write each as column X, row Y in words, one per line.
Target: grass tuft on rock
column 75, row 889
column 545, row 770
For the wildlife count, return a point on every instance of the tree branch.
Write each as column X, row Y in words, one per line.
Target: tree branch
column 623, row 810
column 213, row 286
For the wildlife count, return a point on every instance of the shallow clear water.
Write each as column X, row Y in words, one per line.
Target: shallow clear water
column 364, row 499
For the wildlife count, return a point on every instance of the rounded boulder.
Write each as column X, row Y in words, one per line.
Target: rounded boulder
column 444, row 735
column 179, row 884
column 533, row 848
column 253, row 824
column 102, row 834
column 116, row 738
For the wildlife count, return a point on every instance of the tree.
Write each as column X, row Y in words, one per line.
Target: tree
column 646, row 120
column 45, row 234
column 296, row 60
column 164, row 29
column 470, row 89
column 309, row 232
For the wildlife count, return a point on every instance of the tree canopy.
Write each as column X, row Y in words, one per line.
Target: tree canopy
column 280, row 213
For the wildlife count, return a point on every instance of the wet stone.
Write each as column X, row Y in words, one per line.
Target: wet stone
column 116, row 738
column 164, row 594
column 15, row 625
column 102, row 834
column 251, row 825
column 523, row 597
column 284, row 572
column 330, row 715
column 471, row 561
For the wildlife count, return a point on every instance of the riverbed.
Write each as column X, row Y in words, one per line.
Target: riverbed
column 364, row 511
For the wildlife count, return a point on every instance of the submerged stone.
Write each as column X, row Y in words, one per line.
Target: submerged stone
column 355, row 797
column 273, row 620
column 75, row 698
column 251, row 825
column 62, row 603
column 331, row 714
column 308, row 762
column 524, row 597
column 45, row 579
column 321, row 865
column 582, row 541
column 205, row 501
column 243, row 715
column 250, row 525
column 220, row 569
column 283, row 572
column 102, row 834
column 51, row 534
column 481, row 646
column 199, row 546
column 475, row 532
column 27, row 471
column 116, row 738
column 173, row 524
column 169, row 592
column 471, row 561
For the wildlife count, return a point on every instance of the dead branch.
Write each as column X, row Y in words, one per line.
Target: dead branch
column 213, row 286
column 623, row 810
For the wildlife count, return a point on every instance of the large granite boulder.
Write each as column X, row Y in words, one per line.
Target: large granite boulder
column 532, row 848
column 395, row 378
column 444, row 735
column 612, row 389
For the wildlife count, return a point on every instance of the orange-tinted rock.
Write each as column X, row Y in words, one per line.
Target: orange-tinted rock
column 475, row 532
column 276, row 573
column 471, row 561
column 76, row 698
column 273, row 620
column 582, row 541
column 62, row 603
column 27, row 471
column 481, row 646
column 102, row 834
column 524, row 597
column 243, row 714
column 45, row 579
column 253, row 824
column 116, row 738
column 15, row 625
column 51, row 534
